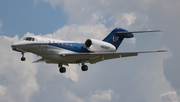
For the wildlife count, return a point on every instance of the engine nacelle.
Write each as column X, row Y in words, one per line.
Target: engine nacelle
column 99, row 46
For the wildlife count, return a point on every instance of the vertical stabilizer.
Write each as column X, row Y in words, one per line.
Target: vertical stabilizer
column 116, row 36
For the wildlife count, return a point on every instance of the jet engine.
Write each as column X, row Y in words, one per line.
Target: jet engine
column 99, row 46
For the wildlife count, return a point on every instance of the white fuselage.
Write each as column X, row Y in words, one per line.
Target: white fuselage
column 47, row 48
column 51, row 48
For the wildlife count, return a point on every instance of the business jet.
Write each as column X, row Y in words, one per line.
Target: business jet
column 70, row 52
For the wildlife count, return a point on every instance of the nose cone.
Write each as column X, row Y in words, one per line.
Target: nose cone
column 17, row 47
column 17, row 44
column 13, row 45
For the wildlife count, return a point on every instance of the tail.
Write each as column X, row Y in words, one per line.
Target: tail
column 117, row 35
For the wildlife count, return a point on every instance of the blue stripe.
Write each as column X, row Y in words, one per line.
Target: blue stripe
column 76, row 47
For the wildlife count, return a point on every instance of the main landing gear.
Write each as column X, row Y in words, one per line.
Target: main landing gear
column 23, row 58
column 63, row 69
column 84, row 67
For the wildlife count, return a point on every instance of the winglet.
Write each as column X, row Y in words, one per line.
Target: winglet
column 162, row 51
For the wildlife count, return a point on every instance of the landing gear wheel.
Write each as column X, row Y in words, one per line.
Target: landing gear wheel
column 62, row 70
column 23, row 58
column 84, row 67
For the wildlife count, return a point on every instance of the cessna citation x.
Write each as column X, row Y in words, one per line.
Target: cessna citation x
column 69, row 52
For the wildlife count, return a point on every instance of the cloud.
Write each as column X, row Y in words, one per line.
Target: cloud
column 72, row 32
column 97, row 96
column 170, row 97
column 2, row 91
column 104, row 96
column 71, row 97
column 130, row 18
column 169, row 37
column 18, row 82
column 92, row 12
column 124, row 20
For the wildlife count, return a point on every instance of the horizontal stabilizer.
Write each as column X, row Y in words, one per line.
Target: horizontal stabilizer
column 126, row 32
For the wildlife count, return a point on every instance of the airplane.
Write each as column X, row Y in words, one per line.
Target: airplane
column 70, row 52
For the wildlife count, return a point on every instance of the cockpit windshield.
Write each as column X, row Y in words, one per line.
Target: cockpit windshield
column 29, row 39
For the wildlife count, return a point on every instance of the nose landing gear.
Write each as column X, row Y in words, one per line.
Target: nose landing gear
column 23, row 58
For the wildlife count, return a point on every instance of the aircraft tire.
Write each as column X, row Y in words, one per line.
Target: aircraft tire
column 23, row 58
column 62, row 70
column 84, row 67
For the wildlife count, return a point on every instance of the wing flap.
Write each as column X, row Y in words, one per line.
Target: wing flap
column 128, row 54
column 103, row 57
column 96, row 59
column 111, row 56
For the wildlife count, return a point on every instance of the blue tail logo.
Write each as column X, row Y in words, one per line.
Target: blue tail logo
column 115, row 38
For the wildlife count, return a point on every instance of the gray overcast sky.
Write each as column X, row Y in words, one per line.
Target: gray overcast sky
column 146, row 78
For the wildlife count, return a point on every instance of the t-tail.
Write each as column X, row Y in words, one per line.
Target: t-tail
column 115, row 38
column 118, row 34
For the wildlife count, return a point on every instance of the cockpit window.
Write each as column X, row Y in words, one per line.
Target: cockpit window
column 29, row 39
column 32, row 39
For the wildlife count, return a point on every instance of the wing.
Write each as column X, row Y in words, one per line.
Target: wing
column 97, row 57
